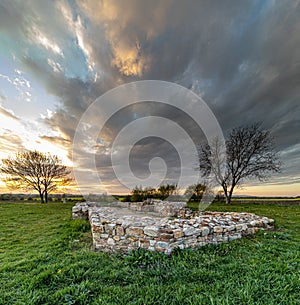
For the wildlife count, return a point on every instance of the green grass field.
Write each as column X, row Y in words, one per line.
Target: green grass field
column 45, row 258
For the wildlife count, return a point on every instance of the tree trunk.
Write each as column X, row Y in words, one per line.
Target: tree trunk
column 229, row 196
column 226, row 194
column 41, row 197
column 46, row 196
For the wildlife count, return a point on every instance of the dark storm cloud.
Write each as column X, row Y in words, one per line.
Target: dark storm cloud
column 241, row 57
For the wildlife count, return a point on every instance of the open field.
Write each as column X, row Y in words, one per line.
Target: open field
column 278, row 201
column 45, row 258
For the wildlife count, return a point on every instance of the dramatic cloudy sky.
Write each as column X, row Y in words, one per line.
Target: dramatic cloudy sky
column 241, row 57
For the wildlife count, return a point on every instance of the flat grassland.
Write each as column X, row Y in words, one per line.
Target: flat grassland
column 46, row 258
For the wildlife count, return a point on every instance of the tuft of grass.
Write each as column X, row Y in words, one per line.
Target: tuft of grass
column 80, row 225
column 46, row 258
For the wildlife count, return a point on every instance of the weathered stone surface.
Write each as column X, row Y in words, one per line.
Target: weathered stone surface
column 234, row 236
column 144, row 243
column 80, row 211
column 178, row 233
column 152, row 242
column 218, row 229
column 166, row 236
column 151, row 231
column 97, row 228
column 230, row 228
column 168, row 208
column 110, row 241
column 135, row 231
column 204, row 231
column 119, row 230
column 162, row 245
column 241, row 227
column 188, row 231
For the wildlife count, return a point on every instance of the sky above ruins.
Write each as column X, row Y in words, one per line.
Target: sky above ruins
column 241, row 57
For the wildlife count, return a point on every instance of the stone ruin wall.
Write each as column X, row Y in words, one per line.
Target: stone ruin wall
column 163, row 226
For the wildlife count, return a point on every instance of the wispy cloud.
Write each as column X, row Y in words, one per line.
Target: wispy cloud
column 10, row 142
column 20, row 83
column 59, row 141
column 8, row 113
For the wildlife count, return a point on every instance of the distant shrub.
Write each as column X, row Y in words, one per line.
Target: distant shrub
column 2, row 197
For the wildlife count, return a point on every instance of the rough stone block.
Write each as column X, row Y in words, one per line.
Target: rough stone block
column 218, row 229
column 234, row 236
column 204, row 231
column 188, row 231
column 135, row 231
column 241, row 227
column 144, row 243
column 110, row 241
column 178, row 233
column 166, row 237
column 98, row 228
column 119, row 230
column 152, row 242
column 162, row 245
column 105, row 236
column 231, row 228
column 151, row 231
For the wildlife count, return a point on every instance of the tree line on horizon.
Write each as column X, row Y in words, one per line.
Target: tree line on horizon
column 192, row 192
column 248, row 153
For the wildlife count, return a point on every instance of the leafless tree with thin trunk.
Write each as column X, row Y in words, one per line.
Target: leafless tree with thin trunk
column 34, row 170
column 249, row 153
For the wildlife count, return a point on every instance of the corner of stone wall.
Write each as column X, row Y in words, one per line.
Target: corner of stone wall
column 80, row 210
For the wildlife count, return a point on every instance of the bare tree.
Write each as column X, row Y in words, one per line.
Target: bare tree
column 249, row 153
column 33, row 170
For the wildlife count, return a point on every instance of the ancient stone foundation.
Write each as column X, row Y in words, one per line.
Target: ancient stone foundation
column 163, row 226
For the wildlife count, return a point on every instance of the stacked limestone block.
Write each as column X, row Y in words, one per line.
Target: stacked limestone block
column 113, row 231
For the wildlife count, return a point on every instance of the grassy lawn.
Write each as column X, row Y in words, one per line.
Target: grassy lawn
column 45, row 258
